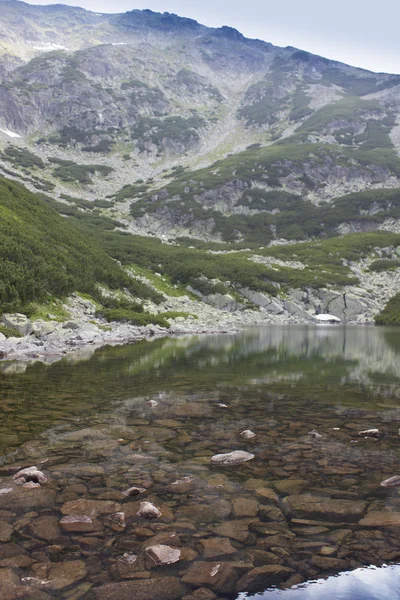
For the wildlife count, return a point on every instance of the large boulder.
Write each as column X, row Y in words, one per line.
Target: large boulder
column 17, row 321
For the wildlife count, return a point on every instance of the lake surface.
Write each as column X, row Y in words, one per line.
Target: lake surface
column 306, row 507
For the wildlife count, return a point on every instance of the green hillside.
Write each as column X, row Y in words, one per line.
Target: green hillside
column 43, row 253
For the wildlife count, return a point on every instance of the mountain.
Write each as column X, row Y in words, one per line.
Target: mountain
column 203, row 138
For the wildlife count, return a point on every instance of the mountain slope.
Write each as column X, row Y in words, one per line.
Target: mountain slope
column 42, row 253
column 158, row 126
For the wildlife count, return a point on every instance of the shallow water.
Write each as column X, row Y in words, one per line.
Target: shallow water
column 303, row 509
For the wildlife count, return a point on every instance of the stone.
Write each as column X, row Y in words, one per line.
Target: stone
column 134, row 491
column 391, row 482
column 91, row 508
column 221, row 577
column 290, row 486
column 260, row 578
column 213, row 547
column 381, row 519
column 163, row 555
column 236, row 530
column 266, row 494
column 311, row 507
column 261, row 558
column 236, row 457
column 205, row 513
column 244, row 507
column 60, row 574
column 375, row 433
column 201, row 594
column 31, row 474
column 45, row 528
column 329, row 564
column 10, row 587
column 5, row 531
column 248, row 434
column 79, row 523
column 17, row 321
column 157, row 588
column 328, row 550
column 147, row 510
column 182, row 486
column 25, row 500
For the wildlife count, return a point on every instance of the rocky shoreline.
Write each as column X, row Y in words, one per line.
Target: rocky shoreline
column 79, row 337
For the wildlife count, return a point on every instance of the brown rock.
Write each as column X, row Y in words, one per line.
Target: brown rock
column 213, row 547
column 329, row 564
column 10, row 587
column 245, row 507
column 311, row 507
column 147, row 510
column 45, row 528
column 182, row 486
column 290, row 486
column 5, row 531
column 266, row 494
column 220, row 577
column 201, row 594
column 381, row 519
column 79, row 523
column 91, row 508
column 25, row 500
column 60, row 574
column 217, row 510
column 157, row 588
column 236, row 530
column 163, row 555
column 261, row 558
column 260, row 578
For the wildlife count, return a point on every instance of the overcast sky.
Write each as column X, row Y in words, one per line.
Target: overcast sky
column 363, row 33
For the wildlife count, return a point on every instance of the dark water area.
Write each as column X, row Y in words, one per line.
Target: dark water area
column 283, row 525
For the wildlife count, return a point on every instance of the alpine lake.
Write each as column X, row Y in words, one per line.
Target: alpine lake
column 126, row 428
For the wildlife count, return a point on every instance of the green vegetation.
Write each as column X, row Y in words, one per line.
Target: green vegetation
column 384, row 264
column 134, row 318
column 173, row 128
column 21, row 157
column 68, row 170
column 10, row 331
column 42, row 253
column 390, row 315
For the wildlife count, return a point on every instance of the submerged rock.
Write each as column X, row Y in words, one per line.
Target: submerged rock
column 156, row 588
column 375, row 433
column 314, row 434
column 135, row 490
column 163, row 555
column 248, row 434
column 391, row 482
column 311, row 507
column 147, row 510
column 259, row 578
column 236, row 457
column 30, row 474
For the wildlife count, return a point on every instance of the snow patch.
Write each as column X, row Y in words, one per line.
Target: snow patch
column 119, row 43
column 49, row 47
column 10, row 134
